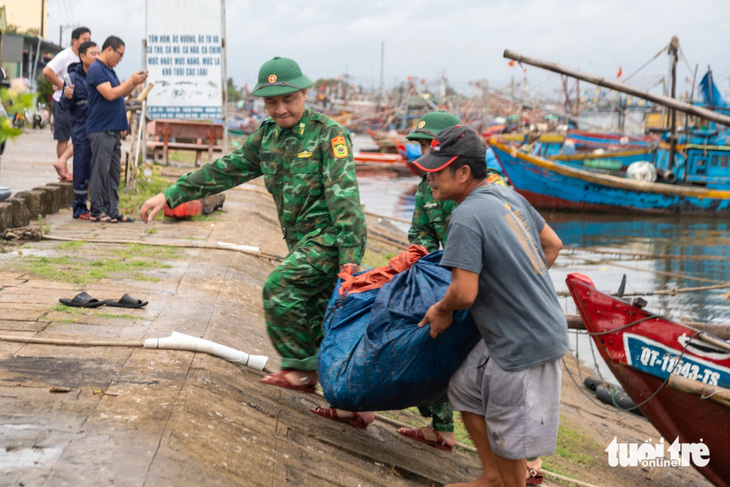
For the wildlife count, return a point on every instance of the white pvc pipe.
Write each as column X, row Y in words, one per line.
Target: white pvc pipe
column 181, row 341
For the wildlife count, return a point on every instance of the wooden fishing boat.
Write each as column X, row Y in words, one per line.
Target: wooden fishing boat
column 387, row 141
column 553, row 185
column 678, row 377
column 379, row 158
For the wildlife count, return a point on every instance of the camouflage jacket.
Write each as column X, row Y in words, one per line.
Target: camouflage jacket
column 310, row 172
column 430, row 222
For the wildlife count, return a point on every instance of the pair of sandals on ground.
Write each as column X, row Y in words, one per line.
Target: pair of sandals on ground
column 84, row 300
column 104, row 218
column 306, row 381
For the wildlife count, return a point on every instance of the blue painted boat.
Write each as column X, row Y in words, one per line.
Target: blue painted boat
column 553, row 185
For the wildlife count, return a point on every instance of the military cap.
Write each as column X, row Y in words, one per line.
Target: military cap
column 431, row 124
column 280, row 76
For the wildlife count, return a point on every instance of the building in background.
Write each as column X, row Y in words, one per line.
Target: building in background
column 23, row 50
column 27, row 16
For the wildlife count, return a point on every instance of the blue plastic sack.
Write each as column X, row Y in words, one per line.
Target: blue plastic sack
column 374, row 357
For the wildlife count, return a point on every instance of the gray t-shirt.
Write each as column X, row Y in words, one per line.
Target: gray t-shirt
column 495, row 233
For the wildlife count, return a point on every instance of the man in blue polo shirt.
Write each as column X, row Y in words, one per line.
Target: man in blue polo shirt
column 105, row 126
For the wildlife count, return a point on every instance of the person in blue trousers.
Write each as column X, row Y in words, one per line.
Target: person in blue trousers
column 76, row 99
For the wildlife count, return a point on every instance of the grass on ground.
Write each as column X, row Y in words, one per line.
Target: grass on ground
column 574, row 450
column 128, row 261
column 70, row 310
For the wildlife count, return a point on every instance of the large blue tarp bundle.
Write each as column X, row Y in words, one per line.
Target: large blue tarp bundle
column 374, row 357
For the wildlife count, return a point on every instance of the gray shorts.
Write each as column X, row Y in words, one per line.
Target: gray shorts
column 521, row 409
column 62, row 121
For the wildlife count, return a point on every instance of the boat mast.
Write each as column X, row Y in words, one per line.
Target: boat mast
column 597, row 80
column 673, row 49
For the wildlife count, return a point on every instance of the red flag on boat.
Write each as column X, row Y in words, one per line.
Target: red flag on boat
column 618, row 75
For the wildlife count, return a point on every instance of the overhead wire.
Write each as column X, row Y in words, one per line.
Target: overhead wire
column 646, row 63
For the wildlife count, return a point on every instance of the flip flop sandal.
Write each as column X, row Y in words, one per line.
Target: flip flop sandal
column 535, row 477
column 124, row 219
column 82, row 300
column 417, row 434
column 84, row 216
column 103, row 218
column 278, row 379
column 127, row 301
column 331, row 413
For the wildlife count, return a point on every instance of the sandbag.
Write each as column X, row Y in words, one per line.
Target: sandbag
column 374, row 357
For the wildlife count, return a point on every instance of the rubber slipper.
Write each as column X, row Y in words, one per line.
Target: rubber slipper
column 417, row 434
column 82, row 300
column 124, row 219
column 535, row 477
column 278, row 379
column 103, row 218
column 127, row 301
column 331, row 413
column 84, row 216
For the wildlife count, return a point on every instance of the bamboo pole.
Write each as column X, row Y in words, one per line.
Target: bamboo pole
column 717, row 394
column 597, row 80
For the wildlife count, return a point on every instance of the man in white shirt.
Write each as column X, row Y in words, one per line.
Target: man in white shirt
column 54, row 72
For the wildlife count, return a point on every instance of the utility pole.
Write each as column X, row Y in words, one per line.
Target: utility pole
column 43, row 17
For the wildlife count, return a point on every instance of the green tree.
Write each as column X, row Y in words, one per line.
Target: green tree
column 234, row 94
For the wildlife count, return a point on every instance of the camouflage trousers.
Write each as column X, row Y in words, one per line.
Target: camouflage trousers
column 295, row 295
column 442, row 417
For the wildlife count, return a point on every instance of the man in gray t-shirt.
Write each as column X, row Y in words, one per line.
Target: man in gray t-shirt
column 499, row 251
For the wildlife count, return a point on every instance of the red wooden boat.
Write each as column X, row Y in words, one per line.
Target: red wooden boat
column 642, row 350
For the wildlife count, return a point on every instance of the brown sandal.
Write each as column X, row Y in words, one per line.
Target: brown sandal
column 331, row 413
column 535, row 477
column 417, row 434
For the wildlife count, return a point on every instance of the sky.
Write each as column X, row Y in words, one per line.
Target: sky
column 464, row 39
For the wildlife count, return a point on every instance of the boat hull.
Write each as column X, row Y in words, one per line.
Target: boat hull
column 642, row 355
column 552, row 185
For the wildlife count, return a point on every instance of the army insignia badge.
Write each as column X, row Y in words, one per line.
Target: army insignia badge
column 272, row 78
column 495, row 178
column 339, row 147
column 421, row 124
column 304, row 154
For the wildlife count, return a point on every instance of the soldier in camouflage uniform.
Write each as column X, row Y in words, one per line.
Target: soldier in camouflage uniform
column 306, row 160
column 429, row 228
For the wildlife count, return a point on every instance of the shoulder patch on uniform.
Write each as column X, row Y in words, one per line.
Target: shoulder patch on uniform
column 495, row 178
column 339, row 147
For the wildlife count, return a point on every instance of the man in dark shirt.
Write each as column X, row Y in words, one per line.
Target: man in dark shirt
column 105, row 126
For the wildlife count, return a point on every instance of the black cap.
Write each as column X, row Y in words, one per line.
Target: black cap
column 450, row 143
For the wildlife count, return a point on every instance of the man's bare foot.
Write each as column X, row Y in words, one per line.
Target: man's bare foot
column 300, row 377
column 448, row 438
column 298, row 380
